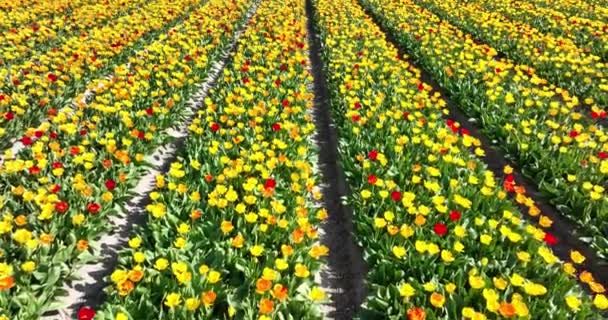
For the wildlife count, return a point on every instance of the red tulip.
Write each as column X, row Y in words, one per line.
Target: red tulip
column 110, row 184
column 550, row 239
column 86, row 313
column 26, row 141
column 270, row 184
column 372, row 179
column 34, row 170
column 440, row 229
column 93, row 208
column 62, row 206
column 396, row 195
column 276, row 127
column 52, row 77
column 455, row 215
column 215, row 127
column 373, row 155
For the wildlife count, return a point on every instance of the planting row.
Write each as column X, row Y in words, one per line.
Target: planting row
column 232, row 226
column 556, row 146
column 58, row 193
column 595, row 10
column 18, row 43
column 22, row 12
column 438, row 234
column 558, row 59
column 34, row 89
column 591, row 35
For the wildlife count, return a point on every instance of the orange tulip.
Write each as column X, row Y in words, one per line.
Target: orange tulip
column 266, row 306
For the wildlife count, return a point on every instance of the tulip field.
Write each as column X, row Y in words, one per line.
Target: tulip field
column 303, row 159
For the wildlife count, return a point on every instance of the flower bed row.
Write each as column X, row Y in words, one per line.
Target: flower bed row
column 25, row 12
column 8, row 5
column 557, row 59
column 32, row 90
column 591, row 35
column 232, row 227
column 42, row 34
column 559, row 148
column 59, row 192
column 439, row 236
column 587, row 9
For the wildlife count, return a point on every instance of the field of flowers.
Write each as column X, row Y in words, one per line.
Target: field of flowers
column 241, row 210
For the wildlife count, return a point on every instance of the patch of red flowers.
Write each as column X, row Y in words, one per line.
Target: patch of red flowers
column 373, row 155
column 372, row 179
column 110, row 184
column 455, row 215
column 396, row 195
column 270, row 183
column 86, row 313
column 34, row 170
column 93, row 208
column 550, row 239
column 26, row 141
column 55, row 188
column 61, row 206
column 440, row 229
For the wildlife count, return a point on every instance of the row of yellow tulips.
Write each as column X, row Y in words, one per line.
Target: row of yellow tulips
column 232, row 227
column 536, row 123
column 593, row 9
column 590, row 35
column 59, row 192
column 43, row 34
column 35, row 89
column 440, row 237
column 18, row 13
column 558, row 59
